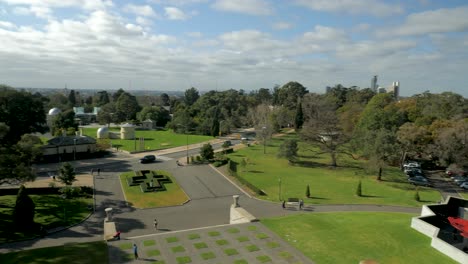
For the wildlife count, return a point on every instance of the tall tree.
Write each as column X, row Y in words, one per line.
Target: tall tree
column 288, row 150
column 64, row 121
column 289, row 94
column 191, row 96
column 24, row 210
column 165, row 99
column 127, row 107
column 381, row 148
column 101, row 98
column 72, row 98
column 322, row 127
column 22, row 112
column 299, row 118
column 67, row 174
column 156, row 113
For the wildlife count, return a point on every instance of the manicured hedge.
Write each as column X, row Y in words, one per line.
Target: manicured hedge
column 232, row 168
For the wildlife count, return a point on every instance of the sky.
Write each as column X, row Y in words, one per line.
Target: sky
column 173, row 45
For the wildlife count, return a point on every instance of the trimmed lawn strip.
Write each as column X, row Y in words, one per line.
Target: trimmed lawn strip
column 148, row 243
column 153, row 139
column 93, row 252
column 325, row 237
column 327, row 186
column 208, row 255
column 51, row 211
column 125, row 246
column 213, row 233
column 173, row 195
column 200, row 245
column 172, row 239
column 231, row 251
column 261, row 236
column 233, row 230
column 153, row 253
column 263, row 259
column 222, row 242
column 178, row 249
column 193, row 236
column 252, row 248
column 252, row 228
column 272, row 244
column 183, row 260
column 242, row 239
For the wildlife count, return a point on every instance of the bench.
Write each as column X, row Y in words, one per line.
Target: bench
column 109, row 230
column 293, row 202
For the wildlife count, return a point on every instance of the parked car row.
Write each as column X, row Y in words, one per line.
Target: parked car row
column 415, row 175
column 460, row 180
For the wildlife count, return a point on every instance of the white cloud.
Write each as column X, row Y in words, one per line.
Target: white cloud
column 178, row 2
column 85, row 4
column 282, row 25
column 38, row 11
column 437, row 21
column 195, row 34
column 143, row 21
column 249, row 7
column 7, row 25
column 355, row 7
column 140, row 10
column 174, row 13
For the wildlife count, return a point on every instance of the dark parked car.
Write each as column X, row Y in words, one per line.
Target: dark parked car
column 148, row 159
column 419, row 182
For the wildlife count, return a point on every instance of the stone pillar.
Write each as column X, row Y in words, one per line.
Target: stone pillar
column 108, row 214
column 236, row 200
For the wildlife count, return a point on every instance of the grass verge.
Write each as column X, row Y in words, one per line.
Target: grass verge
column 280, row 179
column 93, row 252
column 52, row 211
column 352, row 237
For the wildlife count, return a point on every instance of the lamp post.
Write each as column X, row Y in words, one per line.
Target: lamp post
column 74, row 147
column 264, row 139
column 187, row 146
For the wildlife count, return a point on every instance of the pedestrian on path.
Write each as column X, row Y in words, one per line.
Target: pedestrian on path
column 98, row 171
column 92, row 171
column 135, row 251
column 283, row 204
column 301, row 204
column 155, row 224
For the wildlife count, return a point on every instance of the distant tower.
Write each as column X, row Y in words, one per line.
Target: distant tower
column 373, row 85
column 396, row 90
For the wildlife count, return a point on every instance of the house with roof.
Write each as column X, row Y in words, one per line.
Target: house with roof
column 68, row 147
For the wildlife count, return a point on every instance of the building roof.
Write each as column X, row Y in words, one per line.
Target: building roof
column 54, row 111
column 70, row 141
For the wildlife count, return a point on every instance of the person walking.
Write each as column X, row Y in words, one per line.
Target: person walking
column 283, row 204
column 301, row 204
column 155, row 224
column 135, row 251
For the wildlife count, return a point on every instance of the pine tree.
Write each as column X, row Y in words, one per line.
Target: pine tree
column 308, row 191
column 359, row 189
column 67, row 174
column 23, row 213
column 299, row 119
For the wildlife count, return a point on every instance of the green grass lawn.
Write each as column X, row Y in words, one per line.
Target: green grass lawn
column 173, row 195
column 154, row 140
column 51, row 211
column 327, row 185
column 351, row 237
column 93, row 252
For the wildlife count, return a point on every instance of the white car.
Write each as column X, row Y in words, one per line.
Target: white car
column 464, row 185
column 412, row 165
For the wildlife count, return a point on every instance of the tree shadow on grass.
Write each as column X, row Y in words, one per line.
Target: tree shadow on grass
column 318, row 198
column 371, row 196
column 308, row 164
column 255, row 171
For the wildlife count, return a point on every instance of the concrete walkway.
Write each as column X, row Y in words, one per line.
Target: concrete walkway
column 210, row 192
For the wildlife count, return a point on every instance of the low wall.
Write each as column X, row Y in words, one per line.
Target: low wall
column 239, row 215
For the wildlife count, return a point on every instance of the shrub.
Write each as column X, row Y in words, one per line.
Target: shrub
column 359, row 189
column 308, row 191
column 24, row 210
column 416, row 195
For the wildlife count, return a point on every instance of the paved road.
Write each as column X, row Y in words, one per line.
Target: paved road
column 210, row 193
